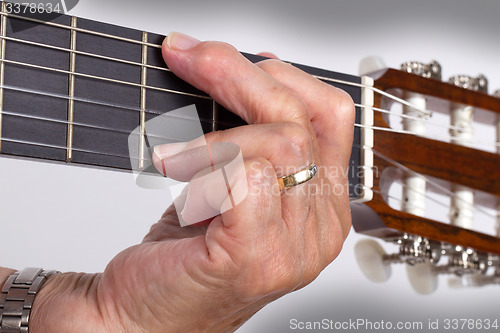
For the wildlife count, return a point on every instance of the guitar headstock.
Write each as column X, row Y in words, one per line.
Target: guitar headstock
column 436, row 192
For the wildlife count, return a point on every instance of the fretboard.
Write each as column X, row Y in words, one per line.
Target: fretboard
column 72, row 90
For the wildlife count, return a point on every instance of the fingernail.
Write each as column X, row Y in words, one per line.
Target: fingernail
column 170, row 149
column 180, row 41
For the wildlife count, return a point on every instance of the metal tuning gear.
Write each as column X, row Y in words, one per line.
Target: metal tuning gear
column 431, row 70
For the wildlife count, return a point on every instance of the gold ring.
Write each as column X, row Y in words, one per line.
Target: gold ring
column 298, row 178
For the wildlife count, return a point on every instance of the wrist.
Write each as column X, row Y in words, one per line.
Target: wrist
column 67, row 302
column 4, row 275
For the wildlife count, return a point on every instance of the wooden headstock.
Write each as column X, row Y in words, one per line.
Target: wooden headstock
column 447, row 165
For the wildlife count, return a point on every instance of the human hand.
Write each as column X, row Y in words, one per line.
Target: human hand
column 214, row 277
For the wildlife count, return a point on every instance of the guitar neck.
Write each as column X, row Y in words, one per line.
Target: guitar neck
column 72, row 90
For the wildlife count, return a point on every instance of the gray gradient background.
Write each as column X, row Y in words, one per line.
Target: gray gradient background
column 73, row 218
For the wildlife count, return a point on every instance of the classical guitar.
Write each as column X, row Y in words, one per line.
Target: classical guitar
column 72, row 91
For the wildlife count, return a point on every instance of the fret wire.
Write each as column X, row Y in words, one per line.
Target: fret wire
column 88, row 54
column 71, row 93
column 62, row 26
column 101, row 103
column 3, row 32
column 105, row 79
column 142, row 120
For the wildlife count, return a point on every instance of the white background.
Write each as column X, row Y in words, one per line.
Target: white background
column 73, row 218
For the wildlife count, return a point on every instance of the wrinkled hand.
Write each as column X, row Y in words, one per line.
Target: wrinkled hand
column 214, row 277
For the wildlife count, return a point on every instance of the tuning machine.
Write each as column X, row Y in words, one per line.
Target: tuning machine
column 422, row 257
column 478, row 83
column 431, row 70
column 479, row 279
column 415, row 251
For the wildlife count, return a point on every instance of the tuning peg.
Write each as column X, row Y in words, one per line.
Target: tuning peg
column 372, row 260
column 423, row 277
column 371, row 64
column 478, row 83
column 431, row 70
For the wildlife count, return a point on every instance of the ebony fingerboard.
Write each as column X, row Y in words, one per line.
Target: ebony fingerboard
column 80, row 109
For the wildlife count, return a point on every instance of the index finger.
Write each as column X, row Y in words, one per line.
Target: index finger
column 232, row 80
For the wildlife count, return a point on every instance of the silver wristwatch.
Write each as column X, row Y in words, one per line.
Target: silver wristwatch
column 17, row 297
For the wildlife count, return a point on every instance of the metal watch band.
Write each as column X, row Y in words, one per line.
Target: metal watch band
column 17, row 297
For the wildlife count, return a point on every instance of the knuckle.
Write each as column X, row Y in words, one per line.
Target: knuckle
column 213, row 57
column 292, row 107
column 297, row 139
column 271, row 66
column 344, row 105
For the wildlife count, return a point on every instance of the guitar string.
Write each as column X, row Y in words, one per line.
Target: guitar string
column 159, row 46
column 208, row 98
column 88, row 54
column 391, row 161
column 101, row 78
column 103, row 103
column 204, row 120
column 151, row 111
column 103, row 128
column 410, row 117
column 427, row 179
column 45, row 145
column 402, row 101
column 90, row 32
column 401, row 201
column 449, row 127
column 433, row 137
column 425, row 195
column 168, row 70
column 110, row 36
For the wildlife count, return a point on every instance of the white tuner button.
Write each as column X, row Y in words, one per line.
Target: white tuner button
column 370, row 257
column 423, row 278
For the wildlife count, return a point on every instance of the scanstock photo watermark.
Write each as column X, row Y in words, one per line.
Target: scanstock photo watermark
column 366, row 325
column 35, row 12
